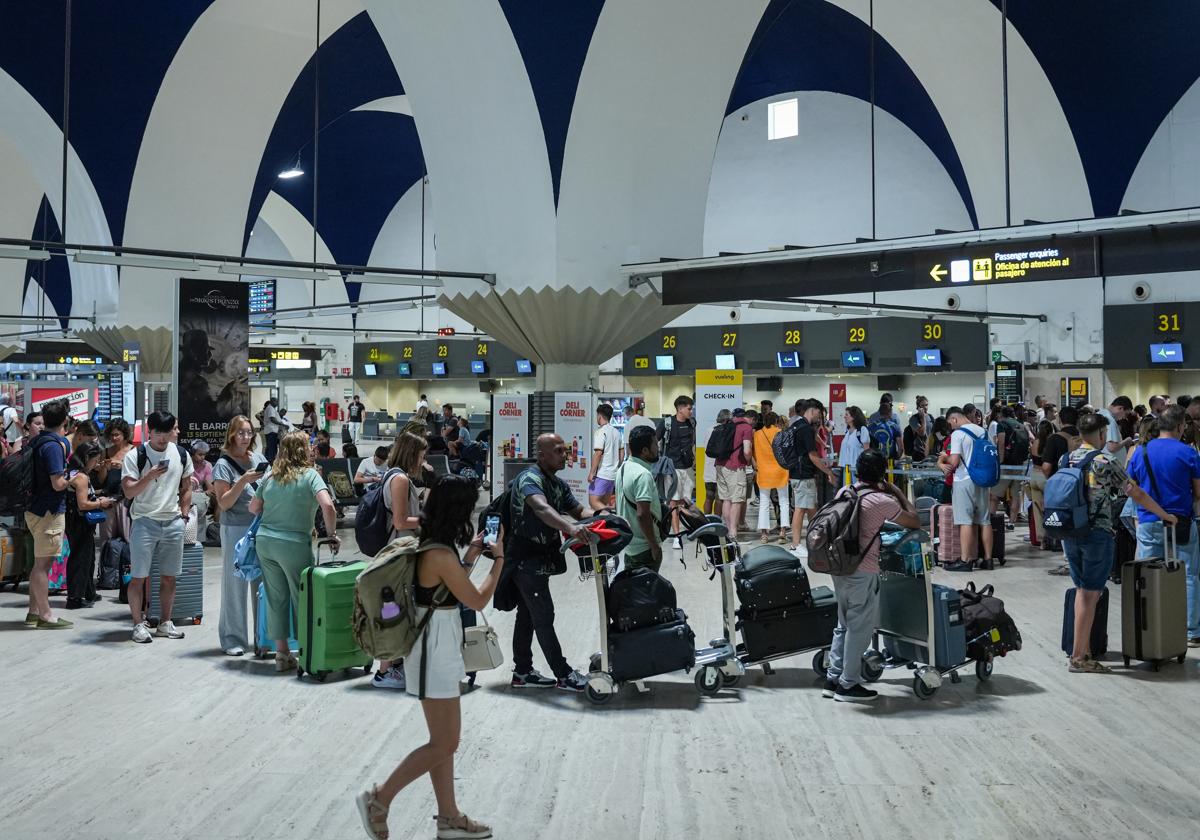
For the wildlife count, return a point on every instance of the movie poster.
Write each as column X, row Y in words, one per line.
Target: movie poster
column 212, row 371
column 574, row 422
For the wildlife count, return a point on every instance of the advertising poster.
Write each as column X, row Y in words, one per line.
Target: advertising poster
column 837, row 412
column 574, row 422
column 79, row 397
column 715, row 390
column 510, row 434
column 214, row 341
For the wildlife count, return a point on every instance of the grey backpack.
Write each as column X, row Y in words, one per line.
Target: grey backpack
column 833, row 534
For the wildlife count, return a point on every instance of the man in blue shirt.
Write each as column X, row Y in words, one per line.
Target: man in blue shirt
column 46, row 517
column 1172, row 478
column 542, row 507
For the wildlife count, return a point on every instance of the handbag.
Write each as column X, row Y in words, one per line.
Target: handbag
column 481, row 647
column 245, row 557
column 95, row 516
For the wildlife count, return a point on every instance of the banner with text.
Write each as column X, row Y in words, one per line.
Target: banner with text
column 510, row 434
column 574, row 422
column 211, row 371
column 79, row 395
column 715, row 390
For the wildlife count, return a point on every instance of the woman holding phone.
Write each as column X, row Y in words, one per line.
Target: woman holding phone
column 441, row 583
column 234, row 478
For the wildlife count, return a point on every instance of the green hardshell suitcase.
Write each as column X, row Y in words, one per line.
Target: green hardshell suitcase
column 323, row 620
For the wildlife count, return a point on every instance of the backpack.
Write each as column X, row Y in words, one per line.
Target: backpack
column 16, row 480
column 983, row 468
column 372, row 520
column 832, row 538
column 783, row 447
column 1065, row 511
column 990, row 630
column 143, row 458
column 114, row 555
column 340, row 484
column 883, row 437
column 720, row 442
column 665, row 441
column 640, row 597
column 1016, row 442
column 384, row 620
column 665, row 479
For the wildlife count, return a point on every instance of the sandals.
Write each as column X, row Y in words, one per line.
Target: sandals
column 461, row 827
column 374, row 815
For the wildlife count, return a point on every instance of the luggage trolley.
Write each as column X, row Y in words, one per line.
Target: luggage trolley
column 716, row 669
column 603, row 679
column 921, row 633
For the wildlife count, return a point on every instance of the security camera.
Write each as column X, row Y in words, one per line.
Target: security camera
column 1141, row 291
column 953, row 302
column 735, row 315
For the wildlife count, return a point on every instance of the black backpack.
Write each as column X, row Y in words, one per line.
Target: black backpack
column 720, row 442
column 990, row 629
column 143, row 458
column 372, row 519
column 689, row 453
column 16, row 480
column 1016, row 442
column 639, row 598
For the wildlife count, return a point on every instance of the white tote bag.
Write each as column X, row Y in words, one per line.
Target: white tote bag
column 481, row 647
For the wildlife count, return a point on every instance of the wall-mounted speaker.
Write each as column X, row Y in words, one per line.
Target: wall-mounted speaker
column 891, row 383
column 953, row 301
column 768, row 383
column 1141, row 291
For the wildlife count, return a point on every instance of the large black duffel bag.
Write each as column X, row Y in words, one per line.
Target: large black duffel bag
column 651, row 651
column 772, row 633
column 639, row 598
column 771, row 577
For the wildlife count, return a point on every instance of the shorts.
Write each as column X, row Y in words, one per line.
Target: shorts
column 731, row 484
column 804, row 493
column 1090, row 559
column 685, row 488
column 970, row 504
column 602, row 486
column 150, row 542
column 1002, row 488
column 47, row 533
column 443, row 657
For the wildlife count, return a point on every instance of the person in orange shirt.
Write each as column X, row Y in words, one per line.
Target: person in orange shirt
column 770, row 476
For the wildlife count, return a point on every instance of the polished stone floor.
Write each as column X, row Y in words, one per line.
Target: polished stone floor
column 102, row 738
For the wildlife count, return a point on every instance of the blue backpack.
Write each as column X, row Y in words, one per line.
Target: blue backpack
column 883, row 437
column 1066, row 514
column 983, row 468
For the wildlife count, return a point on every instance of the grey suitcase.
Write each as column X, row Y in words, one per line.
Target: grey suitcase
column 1154, row 608
column 189, row 588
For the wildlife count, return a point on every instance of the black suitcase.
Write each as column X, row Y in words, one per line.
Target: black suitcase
column 1099, row 644
column 1124, row 551
column 998, row 531
column 769, row 578
column 793, row 629
column 640, row 598
column 651, row 651
column 114, row 560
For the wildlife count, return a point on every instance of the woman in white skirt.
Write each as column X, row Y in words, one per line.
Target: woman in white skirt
column 434, row 667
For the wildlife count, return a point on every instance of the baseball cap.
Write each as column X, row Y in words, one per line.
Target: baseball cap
column 738, row 412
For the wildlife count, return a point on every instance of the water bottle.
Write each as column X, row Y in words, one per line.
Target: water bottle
column 390, row 609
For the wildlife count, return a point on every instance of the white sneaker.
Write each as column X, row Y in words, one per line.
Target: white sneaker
column 168, row 630
column 393, row 678
column 141, row 634
column 236, row 650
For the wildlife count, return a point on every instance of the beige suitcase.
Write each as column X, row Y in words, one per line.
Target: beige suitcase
column 1154, row 607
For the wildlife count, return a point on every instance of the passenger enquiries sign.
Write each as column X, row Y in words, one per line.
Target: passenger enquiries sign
column 211, row 367
column 715, row 390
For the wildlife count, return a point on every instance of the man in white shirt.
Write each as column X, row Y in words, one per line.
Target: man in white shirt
column 607, row 455
column 157, row 477
column 1114, row 443
column 422, row 403
column 11, row 425
column 372, row 469
column 970, row 502
column 272, row 427
column 634, row 418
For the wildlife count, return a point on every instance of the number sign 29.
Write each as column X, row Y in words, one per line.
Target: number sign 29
column 856, row 332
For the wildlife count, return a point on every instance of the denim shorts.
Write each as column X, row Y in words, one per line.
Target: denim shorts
column 1091, row 559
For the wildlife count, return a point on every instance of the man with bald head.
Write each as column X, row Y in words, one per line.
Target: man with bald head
column 543, row 508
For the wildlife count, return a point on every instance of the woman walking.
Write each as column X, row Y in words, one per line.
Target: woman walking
column 402, row 499
column 288, row 500
column 770, row 476
column 235, row 478
column 440, row 584
column 81, row 531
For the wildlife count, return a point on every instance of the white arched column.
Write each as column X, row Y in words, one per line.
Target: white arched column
column 1168, row 173
column 953, row 47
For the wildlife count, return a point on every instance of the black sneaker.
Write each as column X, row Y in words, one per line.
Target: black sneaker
column 856, row 693
column 531, row 680
column 987, row 564
column 573, row 681
column 959, row 565
column 831, row 687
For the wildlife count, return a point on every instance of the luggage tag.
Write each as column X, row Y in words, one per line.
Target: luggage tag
column 994, row 634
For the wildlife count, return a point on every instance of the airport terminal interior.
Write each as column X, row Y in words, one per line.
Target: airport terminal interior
column 595, row 418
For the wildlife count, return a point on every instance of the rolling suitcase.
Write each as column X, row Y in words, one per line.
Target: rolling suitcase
column 998, row 531
column 792, row 629
column 1125, row 551
column 12, row 558
column 1154, row 607
column 263, row 646
column 770, row 578
column 1098, row 646
column 114, row 556
column 189, row 588
column 907, row 615
column 651, row 651
column 323, row 619
column 944, row 534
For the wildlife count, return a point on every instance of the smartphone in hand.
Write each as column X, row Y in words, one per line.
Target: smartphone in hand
column 491, row 531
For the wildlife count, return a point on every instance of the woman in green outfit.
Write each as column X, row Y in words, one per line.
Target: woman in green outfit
column 288, row 501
